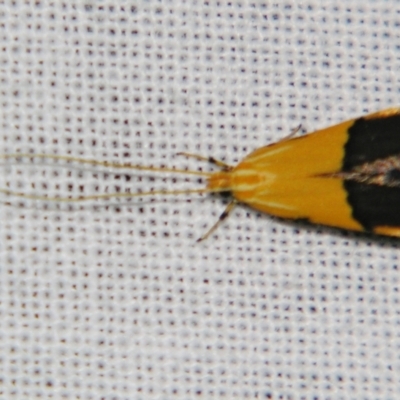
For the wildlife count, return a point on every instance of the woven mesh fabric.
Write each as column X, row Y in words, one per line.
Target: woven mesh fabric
column 113, row 299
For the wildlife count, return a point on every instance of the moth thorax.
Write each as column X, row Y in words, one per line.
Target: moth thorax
column 220, row 182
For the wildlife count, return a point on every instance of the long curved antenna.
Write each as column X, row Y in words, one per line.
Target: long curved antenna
column 105, row 195
column 106, row 164
column 220, row 164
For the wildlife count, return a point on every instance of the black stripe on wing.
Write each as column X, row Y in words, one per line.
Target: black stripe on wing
column 371, row 139
column 374, row 205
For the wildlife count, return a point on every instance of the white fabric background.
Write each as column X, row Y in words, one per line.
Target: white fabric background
column 117, row 301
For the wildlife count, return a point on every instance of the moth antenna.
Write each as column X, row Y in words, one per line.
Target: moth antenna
column 106, row 164
column 215, row 189
column 105, row 195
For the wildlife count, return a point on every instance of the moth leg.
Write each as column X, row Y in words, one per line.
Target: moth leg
column 292, row 134
column 211, row 160
column 221, row 218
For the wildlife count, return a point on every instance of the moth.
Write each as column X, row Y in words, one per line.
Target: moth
column 346, row 176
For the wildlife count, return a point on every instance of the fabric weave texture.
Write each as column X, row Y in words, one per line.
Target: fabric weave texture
column 113, row 299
